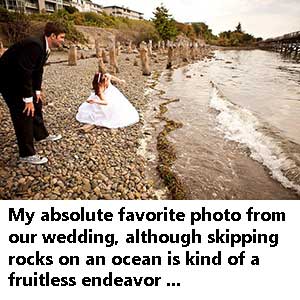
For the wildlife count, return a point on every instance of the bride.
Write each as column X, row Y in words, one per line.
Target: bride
column 107, row 106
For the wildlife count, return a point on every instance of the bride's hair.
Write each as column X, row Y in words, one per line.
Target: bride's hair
column 98, row 78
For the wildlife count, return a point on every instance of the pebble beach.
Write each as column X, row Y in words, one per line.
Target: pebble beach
column 98, row 164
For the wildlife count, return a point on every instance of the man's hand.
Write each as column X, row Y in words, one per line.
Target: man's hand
column 29, row 108
column 40, row 97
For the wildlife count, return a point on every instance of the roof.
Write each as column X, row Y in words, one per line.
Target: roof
column 115, row 6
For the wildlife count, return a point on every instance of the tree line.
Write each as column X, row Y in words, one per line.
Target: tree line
column 169, row 29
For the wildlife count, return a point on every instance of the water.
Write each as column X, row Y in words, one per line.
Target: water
column 240, row 138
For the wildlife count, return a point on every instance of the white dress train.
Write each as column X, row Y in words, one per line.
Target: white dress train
column 118, row 113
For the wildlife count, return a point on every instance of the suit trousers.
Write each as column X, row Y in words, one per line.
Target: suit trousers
column 27, row 128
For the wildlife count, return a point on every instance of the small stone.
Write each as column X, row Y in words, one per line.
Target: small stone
column 97, row 191
column 130, row 196
column 86, row 185
column 22, row 180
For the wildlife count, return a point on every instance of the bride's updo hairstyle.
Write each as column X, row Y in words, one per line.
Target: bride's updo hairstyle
column 98, row 78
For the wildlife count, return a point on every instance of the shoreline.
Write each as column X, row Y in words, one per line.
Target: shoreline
column 241, row 163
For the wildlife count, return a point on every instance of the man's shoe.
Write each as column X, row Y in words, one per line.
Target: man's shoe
column 52, row 138
column 34, row 160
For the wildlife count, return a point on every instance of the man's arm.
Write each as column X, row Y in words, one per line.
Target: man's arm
column 28, row 61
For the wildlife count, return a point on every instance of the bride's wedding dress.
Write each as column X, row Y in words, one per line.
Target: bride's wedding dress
column 119, row 112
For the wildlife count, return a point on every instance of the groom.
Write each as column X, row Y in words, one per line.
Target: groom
column 21, row 72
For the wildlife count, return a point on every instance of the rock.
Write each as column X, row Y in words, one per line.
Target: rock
column 130, row 196
column 97, row 191
column 107, row 197
column 22, row 180
column 86, row 185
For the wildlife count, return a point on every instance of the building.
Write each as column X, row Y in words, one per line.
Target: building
column 124, row 12
column 49, row 6
column 86, row 6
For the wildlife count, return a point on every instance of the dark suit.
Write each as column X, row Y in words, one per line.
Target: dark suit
column 21, row 72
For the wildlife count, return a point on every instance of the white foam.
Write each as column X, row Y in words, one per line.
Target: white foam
column 240, row 125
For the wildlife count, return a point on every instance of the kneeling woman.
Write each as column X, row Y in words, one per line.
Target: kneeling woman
column 107, row 106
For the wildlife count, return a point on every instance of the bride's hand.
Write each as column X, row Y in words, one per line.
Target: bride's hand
column 122, row 81
column 91, row 101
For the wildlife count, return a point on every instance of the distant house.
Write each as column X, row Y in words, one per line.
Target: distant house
column 49, row 6
column 86, row 6
column 124, row 12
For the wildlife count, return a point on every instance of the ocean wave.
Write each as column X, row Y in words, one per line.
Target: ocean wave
column 240, row 125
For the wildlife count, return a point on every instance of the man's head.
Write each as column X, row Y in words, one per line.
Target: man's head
column 55, row 33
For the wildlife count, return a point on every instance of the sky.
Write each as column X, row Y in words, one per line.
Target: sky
column 261, row 18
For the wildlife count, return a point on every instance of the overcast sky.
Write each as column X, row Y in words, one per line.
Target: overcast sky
column 261, row 18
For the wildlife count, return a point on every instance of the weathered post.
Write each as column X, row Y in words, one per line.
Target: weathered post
column 118, row 48
column 104, row 56
column 170, row 57
column 185, row 57
column 150, row 48
column 130, row 48
column 192, row 52
column 163, row 46
column 113, row 59
column 101, row 66
column 72, row 58
column 98, row 48
column 145, row 60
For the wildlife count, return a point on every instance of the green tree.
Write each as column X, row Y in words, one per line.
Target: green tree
column 164, row 23
column 202, row 31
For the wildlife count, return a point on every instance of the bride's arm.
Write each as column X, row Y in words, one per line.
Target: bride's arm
column 116, row 79
column 102, row 99
column 97, row 99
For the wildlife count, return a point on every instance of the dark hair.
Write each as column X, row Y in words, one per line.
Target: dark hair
column 54, row 27
column 96, row 82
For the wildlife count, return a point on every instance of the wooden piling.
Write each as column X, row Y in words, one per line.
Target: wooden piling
column 113, row 59
column 145, row 61
column 104, row 56
column 101, row 66
column 170, row 57
column 72, row 57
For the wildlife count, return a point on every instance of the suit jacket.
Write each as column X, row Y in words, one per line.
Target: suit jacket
column 21, row 67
